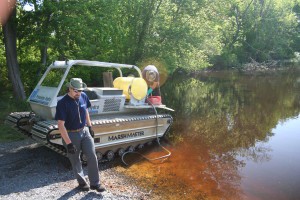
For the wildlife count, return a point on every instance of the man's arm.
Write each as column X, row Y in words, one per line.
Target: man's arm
column 89, row 124
column 63, row 131
column 88, row 119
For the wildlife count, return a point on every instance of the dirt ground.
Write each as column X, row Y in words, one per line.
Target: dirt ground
column 31, row 171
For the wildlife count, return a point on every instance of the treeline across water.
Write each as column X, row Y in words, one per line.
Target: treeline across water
column 171, row 34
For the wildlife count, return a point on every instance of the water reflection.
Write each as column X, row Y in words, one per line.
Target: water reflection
column 232, row 110
column 279, row 178
column 222, row 121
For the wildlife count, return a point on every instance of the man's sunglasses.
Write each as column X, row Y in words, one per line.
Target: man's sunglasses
column 75, row 90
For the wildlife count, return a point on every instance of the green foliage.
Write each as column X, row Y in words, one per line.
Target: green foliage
column 180, row 34
column 3, row 70
column 261, row 30
column 226, row 60
column 53, row 78
column 7, row 105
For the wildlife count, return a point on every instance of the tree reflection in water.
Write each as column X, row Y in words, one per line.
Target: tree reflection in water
column 221, row 119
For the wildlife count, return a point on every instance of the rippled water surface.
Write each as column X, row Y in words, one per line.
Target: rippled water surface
column 234, row 136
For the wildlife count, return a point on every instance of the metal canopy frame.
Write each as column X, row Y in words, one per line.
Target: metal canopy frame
column 69, row 63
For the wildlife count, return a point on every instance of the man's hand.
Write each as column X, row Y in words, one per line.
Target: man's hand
column 91, row 131
column 71, row 148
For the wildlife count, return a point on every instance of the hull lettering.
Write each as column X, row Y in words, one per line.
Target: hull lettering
column 125, row 136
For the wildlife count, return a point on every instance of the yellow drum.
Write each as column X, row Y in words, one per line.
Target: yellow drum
column 137, row 87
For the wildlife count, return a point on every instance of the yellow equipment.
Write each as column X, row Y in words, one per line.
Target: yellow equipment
column 135, row 89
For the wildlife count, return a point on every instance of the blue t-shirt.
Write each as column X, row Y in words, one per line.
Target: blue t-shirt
column 67, row 110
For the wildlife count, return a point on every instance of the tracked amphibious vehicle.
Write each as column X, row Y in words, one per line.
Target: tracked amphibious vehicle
column 122, row 118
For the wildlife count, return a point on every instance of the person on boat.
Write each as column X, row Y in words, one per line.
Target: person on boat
column 74, row 125
column 151, row 76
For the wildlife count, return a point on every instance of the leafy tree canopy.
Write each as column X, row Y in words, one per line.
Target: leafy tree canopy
column 190, row 34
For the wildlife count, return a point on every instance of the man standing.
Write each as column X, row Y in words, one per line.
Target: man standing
column 74, row 125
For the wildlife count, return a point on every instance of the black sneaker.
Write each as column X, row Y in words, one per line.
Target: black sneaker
column 99, row 188
column 84, row 187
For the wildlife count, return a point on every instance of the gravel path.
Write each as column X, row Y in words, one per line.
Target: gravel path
column 31, row 171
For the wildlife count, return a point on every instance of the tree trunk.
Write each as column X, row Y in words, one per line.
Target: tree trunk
column 108, row 79
column 142, row 34
column 43, row 26
column 10, row 38
column 44, row 54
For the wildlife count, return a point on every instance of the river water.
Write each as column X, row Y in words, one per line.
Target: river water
column 234, row 136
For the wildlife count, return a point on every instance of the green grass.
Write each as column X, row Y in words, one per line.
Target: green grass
column 7, row 134
column 9, row 104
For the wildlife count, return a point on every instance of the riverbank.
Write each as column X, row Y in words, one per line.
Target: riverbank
column 251, row 68
column 31, row 171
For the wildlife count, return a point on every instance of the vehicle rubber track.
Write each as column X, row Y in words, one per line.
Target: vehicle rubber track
column 19, row 120
column 46, row 132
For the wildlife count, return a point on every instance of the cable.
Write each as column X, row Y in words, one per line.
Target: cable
column 157, row 138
